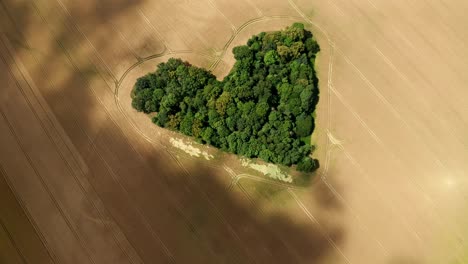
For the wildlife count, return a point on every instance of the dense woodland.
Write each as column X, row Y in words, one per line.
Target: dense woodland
column 262, row 109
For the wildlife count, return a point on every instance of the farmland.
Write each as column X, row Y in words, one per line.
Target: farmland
column 84, row 178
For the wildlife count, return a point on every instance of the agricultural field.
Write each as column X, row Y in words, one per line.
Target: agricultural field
column 85, row 178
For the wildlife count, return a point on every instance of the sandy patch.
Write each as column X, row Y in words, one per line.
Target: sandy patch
column 188, row 148
column 270, row 170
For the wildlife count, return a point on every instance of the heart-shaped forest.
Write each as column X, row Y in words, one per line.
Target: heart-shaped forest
column 264, row 108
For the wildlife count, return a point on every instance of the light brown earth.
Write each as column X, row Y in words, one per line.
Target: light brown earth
column 86, row 179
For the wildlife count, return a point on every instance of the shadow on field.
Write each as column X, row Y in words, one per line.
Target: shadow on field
column 325, row 197
column 167, row 213
column 223, row 227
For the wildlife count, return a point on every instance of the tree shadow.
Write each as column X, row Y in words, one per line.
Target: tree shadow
column 228, row 223
column 326, row 194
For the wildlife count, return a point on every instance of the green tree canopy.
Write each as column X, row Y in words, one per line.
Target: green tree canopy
column 261, row 109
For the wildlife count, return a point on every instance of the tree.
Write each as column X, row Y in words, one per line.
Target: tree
column 186, row 124
column 207, row 135
column 304, row 125
column 296, row 49
column 261, row 109
column 242, row 52
column 307, row 95
column 283, row 52
column 222, row 102
column 174, row 121
column 142, row 83
column 312, row 46
column 197, row 126
column 270, row 57
column 307, row 165
column 169, row 102
column 140, row 99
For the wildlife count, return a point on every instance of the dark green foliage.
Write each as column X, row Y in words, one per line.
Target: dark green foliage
column 304, row 125
column 307, row 165
column 270, row 57
column 262, row 109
